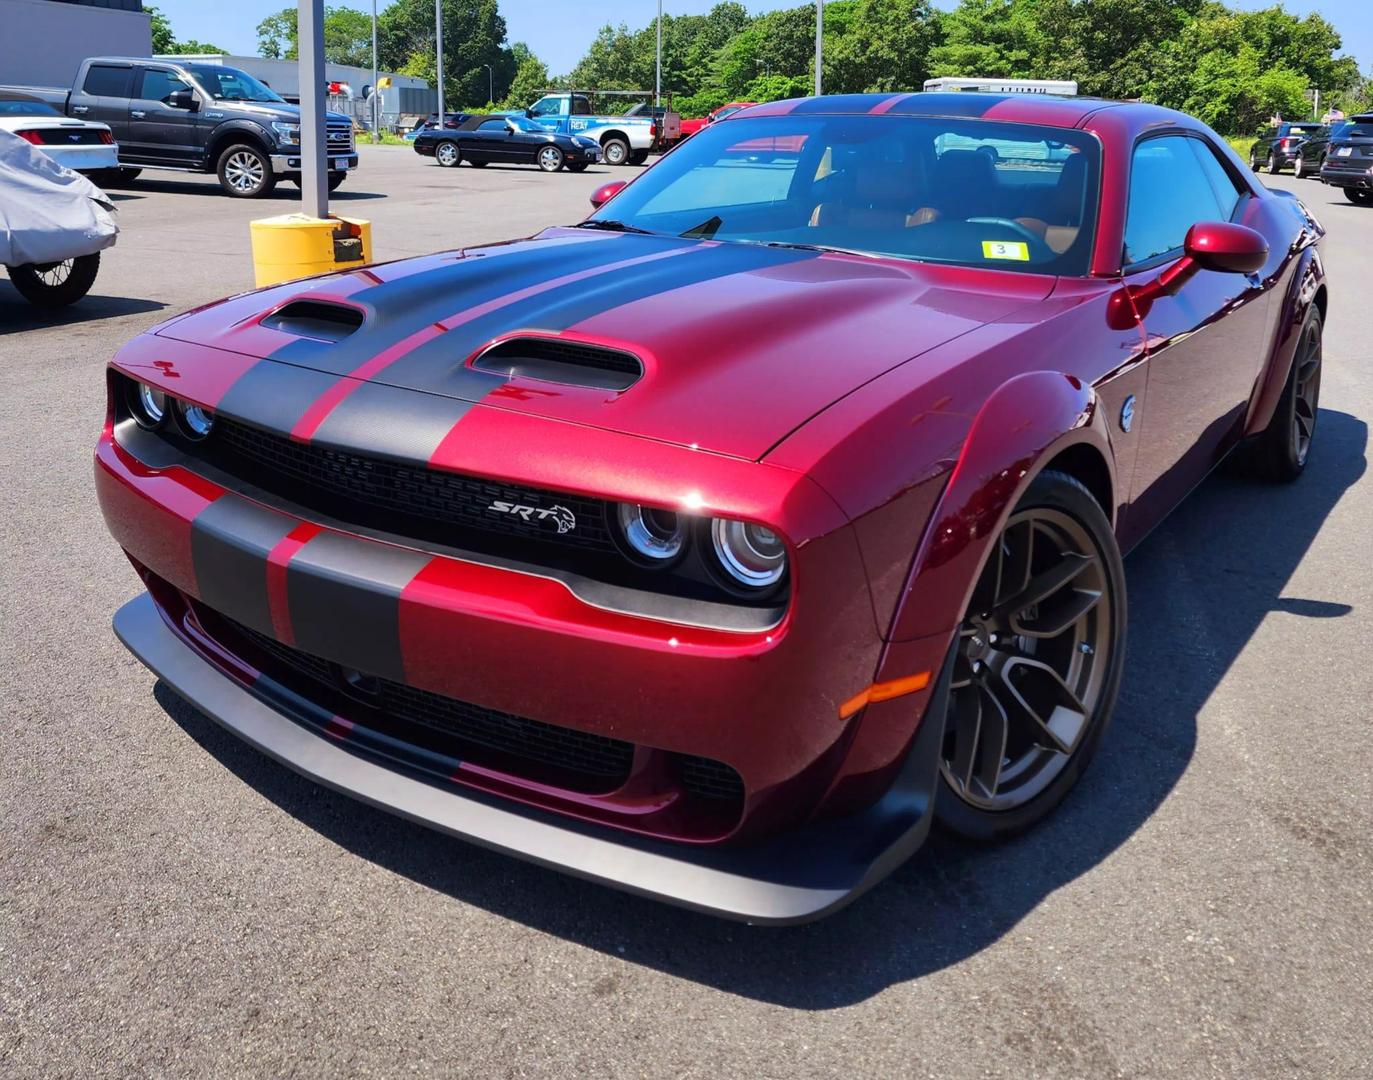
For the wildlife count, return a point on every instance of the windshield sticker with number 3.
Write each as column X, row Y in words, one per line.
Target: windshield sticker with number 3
column 1006, row 249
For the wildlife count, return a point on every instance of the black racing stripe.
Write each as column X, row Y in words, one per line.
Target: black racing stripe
column 274, row 396
column 433, row 366
column 402, row 425
column 838, row 103
column 395, row 310
column 344, row 598
column 971, row 105
column 230, row 541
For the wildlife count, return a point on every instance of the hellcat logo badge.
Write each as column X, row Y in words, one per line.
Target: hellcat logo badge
column 1127, row 413
column 560, row 516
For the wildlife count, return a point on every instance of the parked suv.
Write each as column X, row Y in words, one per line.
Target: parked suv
column 1348, row 162
column 1278, row 148
column 198, row 117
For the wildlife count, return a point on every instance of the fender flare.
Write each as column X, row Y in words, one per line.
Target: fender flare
column 1024, row 424
column 1307, row 281
column 226, row 133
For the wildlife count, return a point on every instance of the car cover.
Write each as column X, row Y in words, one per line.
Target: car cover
column 48, row 213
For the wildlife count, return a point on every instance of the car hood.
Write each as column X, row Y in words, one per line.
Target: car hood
column 739, row 344
column 272, row 110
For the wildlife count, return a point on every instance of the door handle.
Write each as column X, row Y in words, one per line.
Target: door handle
column 81, row 108
column 137, row 114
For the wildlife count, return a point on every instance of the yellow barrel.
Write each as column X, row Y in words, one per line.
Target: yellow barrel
column 295, row 246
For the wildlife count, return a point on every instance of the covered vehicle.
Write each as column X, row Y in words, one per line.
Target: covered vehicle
column 81, row 145
column 53, row 225
column 481, row 140
column 714, row 547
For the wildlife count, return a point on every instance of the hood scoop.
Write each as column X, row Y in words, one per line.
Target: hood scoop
column 316, row 319
column 574, row 363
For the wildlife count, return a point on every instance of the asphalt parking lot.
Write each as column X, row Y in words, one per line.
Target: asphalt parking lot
column 172, row 903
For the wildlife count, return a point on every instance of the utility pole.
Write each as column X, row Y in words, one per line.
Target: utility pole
column 658, row 84
column 438, row 48
column 314, row 172
column 376, row 111
column 819, row 42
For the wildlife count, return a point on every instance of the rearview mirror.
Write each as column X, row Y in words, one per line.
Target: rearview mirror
column 606, row 192
column 1209, row 245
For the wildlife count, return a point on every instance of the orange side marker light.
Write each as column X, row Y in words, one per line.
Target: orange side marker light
column 884, row 691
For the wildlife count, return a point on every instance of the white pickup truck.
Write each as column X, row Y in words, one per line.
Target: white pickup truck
column 625, row 140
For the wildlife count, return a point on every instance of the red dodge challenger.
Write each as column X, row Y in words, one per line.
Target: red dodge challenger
column 716, row 546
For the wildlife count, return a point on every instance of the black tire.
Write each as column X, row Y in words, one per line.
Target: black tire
column 638, row 157
column 549, row 158
column 245, row 172
column 1279, row 453
column 478, row 164
column 1274, row 164
column 615, row 151
column 1057, row 524
column 55, row 285
column 1357, row 197
column 104, row 178
column 337, row 178
column 128, row 176
column 448, row 154
column 579, row 167
column 1299, row 167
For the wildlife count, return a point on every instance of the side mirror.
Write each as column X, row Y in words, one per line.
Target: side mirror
column 183, row 99
column 529, row 114
column 606, row 192
column 1209, row 245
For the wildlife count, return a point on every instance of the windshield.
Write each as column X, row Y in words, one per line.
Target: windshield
column 1358, row 131
column 1303, row 129
column 946, row 190
column 230, row 84
column 21, row 107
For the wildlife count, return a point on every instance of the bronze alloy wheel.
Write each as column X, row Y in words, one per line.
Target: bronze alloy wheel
column 1037, row 662
column 1306, row 392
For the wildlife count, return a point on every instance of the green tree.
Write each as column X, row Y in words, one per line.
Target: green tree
column 883, row 45
column 347, row 36
column 531, row 80
column 165, row 43
column 473, row 36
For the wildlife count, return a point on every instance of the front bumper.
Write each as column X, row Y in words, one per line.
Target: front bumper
column 290, row 163
column 801, row 876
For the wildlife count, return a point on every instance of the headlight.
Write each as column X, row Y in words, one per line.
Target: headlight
column 752, row 555
column 287, row 133
column 148, row 405
column 196, row 421
column 651, row 534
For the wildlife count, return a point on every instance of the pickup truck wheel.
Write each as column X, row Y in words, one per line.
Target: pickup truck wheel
column 638, row 157
column 447, row 154
column 550, row 159
column 616, row 151
column 245, row 172
column 55, row 285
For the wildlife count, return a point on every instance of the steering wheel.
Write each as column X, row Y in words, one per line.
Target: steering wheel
column 1014, row 226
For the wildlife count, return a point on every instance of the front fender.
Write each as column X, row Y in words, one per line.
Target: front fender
column 236, row 131
column 1026, row 422
column 1300, row 294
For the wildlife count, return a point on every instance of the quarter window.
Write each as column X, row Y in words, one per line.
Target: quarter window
column 1169, row 193
column 102, row 80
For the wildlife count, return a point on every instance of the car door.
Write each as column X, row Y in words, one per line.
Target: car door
column 492, row 141
column 103, row 96
column 1206, row 343
column 158, row 129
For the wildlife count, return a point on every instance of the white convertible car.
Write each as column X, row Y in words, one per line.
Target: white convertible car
column 78, row 144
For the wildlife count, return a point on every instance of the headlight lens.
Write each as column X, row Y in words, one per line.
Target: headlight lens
column 752, row 555
column 652, row 534
column 195, row 420
column 149, row 405
column 287, row 133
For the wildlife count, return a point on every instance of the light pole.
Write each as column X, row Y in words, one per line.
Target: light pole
column 819, row 41
column 376, row 112
column 438, row 48
column 490, row 85
column 658, row 84
column 314, row 173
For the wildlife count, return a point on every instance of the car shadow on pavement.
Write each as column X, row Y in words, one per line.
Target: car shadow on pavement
column 1210, row 586
column 209, row 185
column 17, row 314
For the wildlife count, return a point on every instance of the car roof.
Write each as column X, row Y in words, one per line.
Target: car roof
column 1048, row 109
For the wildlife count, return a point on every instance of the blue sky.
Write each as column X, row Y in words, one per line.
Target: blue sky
column 559, row 30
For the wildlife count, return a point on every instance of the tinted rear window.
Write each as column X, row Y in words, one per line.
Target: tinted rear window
column 105, row 81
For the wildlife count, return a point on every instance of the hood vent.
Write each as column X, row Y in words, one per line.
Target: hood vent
column 315, row 319
column 554, row 360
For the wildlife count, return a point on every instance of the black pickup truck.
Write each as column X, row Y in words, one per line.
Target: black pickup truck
column 197, row 117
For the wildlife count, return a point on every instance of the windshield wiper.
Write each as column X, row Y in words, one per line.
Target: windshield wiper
column 811, row 247
column 610, row 225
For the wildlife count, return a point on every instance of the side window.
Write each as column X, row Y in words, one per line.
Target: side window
column 1169, row 193
column 548, row 106
column 581, row 106
column 492, row 125
column 160, row 85
column 1227, row 194
column 103, row 80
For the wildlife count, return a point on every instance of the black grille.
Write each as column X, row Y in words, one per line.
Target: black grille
column 419, row 502
column 710, row 779
column 581, row 760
